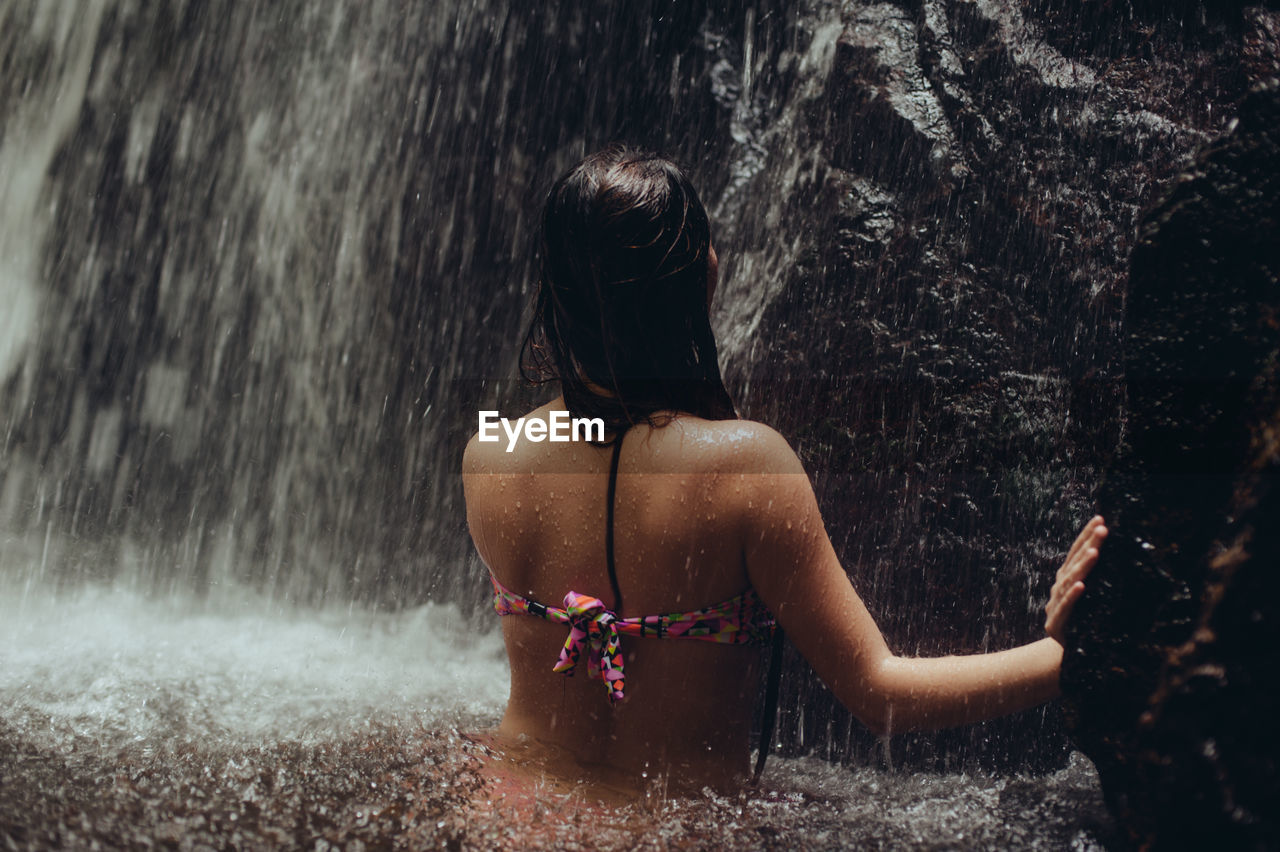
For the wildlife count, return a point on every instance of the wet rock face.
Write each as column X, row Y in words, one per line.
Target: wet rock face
column 981, row 171
column 1170, row 676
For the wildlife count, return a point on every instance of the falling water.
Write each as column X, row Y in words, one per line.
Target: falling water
column 266, row 265
column 260, row 265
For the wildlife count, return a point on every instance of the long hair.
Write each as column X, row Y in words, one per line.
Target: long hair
column 622, row 294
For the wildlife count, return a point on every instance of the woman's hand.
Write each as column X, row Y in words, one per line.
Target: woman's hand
column 1069, row 584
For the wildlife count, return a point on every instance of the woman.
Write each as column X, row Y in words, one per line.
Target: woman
column 684, row 511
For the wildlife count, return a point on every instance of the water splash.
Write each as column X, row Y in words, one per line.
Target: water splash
column 167, row 718
column 120, row 667
column 35, row 126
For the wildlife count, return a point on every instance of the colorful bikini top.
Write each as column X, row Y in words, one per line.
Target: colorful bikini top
column 738, row 621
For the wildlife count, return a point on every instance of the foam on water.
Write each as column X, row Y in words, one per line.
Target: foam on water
column 128, row 666
column 127, row 719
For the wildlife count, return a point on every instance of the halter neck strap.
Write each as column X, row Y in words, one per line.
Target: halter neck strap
column 608, row 535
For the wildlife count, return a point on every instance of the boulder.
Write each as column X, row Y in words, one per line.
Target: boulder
column 1167, row 678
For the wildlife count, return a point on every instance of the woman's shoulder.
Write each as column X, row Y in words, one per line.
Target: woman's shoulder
column 731, row 446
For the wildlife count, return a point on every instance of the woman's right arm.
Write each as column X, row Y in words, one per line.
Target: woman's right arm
column 794, row 569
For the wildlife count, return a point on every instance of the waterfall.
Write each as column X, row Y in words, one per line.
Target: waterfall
column 36, row 126
column 260, row 265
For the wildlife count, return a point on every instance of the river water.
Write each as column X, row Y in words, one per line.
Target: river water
column 129, row 720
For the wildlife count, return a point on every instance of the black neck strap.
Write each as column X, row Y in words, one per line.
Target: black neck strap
column 608, row 534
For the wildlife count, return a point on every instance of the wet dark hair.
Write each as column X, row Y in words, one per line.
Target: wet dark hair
column 624, row 260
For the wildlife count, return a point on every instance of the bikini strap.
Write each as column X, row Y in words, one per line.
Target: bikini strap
column 769, row 715
column 608, row 535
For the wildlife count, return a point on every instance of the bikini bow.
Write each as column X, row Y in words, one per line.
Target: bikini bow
column 589, row 619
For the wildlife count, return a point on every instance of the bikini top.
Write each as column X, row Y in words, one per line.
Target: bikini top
column 741, row 620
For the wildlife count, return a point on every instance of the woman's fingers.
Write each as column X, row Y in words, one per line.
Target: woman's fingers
column 1090, row 538
column 1068, row 584
column 1083, row 535
column 1086, row 536
column 1076, row 547
column 1079, row 568
column 1088, row 557
column 1081, row 565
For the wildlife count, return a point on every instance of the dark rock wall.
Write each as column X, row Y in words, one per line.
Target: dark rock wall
column 956, row 315
column 1169, row 681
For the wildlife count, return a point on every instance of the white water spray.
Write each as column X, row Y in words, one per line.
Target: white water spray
column 32, row 136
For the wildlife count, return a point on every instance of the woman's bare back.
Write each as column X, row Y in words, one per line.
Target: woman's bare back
column 539, row 518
